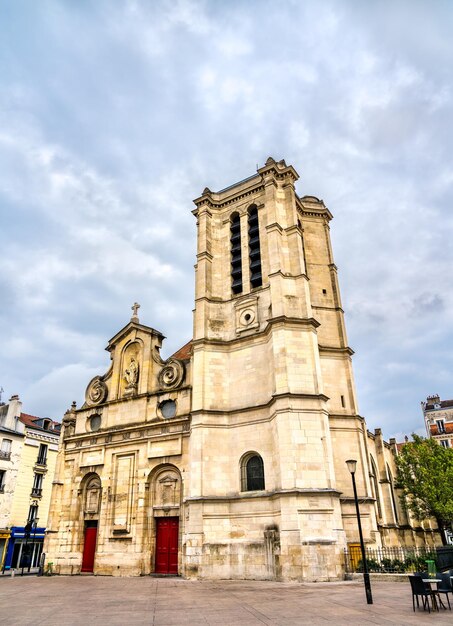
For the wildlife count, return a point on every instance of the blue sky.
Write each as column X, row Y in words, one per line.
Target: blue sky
column 115, row 115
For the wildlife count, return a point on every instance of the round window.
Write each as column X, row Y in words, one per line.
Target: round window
column 95, row 422
column 168, row 408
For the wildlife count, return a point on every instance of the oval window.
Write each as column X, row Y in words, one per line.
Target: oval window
column 95, row 422
column 168, row 408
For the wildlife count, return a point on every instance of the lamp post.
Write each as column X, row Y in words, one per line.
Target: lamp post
column 34, row 524
column 352, row 465
column 27, row 529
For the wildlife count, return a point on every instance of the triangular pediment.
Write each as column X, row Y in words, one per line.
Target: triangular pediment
column 130, row 329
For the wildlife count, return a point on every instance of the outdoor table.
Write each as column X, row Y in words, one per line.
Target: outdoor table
column 433, row 594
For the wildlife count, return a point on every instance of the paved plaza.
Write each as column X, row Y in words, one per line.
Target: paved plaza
column 95, row 600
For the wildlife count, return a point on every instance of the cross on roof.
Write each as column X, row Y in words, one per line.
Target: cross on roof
column 135, row 308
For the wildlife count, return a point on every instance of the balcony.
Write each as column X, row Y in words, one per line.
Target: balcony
column 5, row 456
column 41, row 462
column 36, row 492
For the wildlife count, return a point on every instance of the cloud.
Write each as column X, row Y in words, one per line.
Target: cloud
column 114, row 116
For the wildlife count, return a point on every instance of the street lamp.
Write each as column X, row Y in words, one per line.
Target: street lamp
column 352, row 465
column 34, row 525
column 24, row 554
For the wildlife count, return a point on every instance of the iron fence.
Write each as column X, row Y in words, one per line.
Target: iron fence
column 397, row 560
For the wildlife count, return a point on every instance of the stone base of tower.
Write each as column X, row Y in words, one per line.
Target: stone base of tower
column 299, row 541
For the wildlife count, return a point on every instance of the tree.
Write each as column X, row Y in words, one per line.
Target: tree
column 425, row 476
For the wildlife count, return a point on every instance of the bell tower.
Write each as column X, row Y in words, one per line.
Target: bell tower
column 271, row 369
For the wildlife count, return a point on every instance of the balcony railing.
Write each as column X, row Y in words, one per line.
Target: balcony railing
column 2, row 488
column 36, row 492
column 41, row 460
column 6, row 456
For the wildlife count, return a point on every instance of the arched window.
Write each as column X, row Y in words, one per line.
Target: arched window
column 256, row 279
column 392, row 494
column 236, row 255
column 375, row 486
column 252, row 473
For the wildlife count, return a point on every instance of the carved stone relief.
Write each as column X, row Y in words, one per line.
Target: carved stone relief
column 93, row 496
column 171, row 375
column 167, row 490
column 247, row 314
column 96, row 392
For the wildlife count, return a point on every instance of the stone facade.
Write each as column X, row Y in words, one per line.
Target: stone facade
column 395, row 526
column 28, row 453
column 438, row 415
column 228, row 459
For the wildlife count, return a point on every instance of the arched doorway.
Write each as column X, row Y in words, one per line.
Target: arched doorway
column 92, row 502
column 165, row 509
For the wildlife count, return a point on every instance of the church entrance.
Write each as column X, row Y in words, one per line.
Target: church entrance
column 167, row 545
column 89, row 546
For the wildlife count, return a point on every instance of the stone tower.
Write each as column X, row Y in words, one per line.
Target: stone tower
column 228, row 459
column 272, row 377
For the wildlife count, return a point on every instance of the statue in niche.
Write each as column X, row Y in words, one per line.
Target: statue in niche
column 131, row 376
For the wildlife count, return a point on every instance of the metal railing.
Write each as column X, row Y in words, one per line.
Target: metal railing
column 389, row 560
column 6, row 456
column 36, row 492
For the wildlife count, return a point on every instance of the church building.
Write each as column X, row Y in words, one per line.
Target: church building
column 227, row 460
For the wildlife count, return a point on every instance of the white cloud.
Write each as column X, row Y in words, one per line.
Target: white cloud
column 114, row 117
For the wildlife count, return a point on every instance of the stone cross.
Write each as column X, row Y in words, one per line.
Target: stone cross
column 135, row 308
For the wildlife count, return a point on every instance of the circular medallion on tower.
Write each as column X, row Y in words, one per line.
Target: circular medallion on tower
column 96, row 392
column 247, row 317
column 171, row 375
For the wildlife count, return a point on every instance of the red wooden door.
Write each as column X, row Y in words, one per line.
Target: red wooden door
column 167, row 545
column 89, row 549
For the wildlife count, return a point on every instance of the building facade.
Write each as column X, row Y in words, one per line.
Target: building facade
column 395, row 525
column 29, row 447
column 228, row 460
column 438, row 416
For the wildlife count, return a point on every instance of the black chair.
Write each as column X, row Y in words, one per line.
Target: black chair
column 445, row 587
column 419, row 589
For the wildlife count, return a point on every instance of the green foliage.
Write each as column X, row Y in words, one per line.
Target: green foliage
column 393, row 565
column 417, row 563
column 372, row 565
column 425, row 476
column 411, row 563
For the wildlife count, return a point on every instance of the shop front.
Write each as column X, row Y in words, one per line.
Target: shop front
column 24, row 548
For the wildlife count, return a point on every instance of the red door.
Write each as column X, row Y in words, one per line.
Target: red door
column 167, row 545
column 89, row 549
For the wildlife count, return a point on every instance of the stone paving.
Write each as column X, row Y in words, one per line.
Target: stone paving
column 96, row 601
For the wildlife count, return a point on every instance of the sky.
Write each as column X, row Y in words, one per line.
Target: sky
column 115, row 115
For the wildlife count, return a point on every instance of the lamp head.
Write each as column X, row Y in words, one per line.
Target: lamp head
column 352, row 465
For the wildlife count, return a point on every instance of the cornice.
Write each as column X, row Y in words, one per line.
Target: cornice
column 3, row 429
column 275, row 321
column 331, row 350
column 318, row 307
column 257, row 407
column 209, row 200
column 276, row 493
column 91, row 410
column 361, row 499
column 150, row 431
